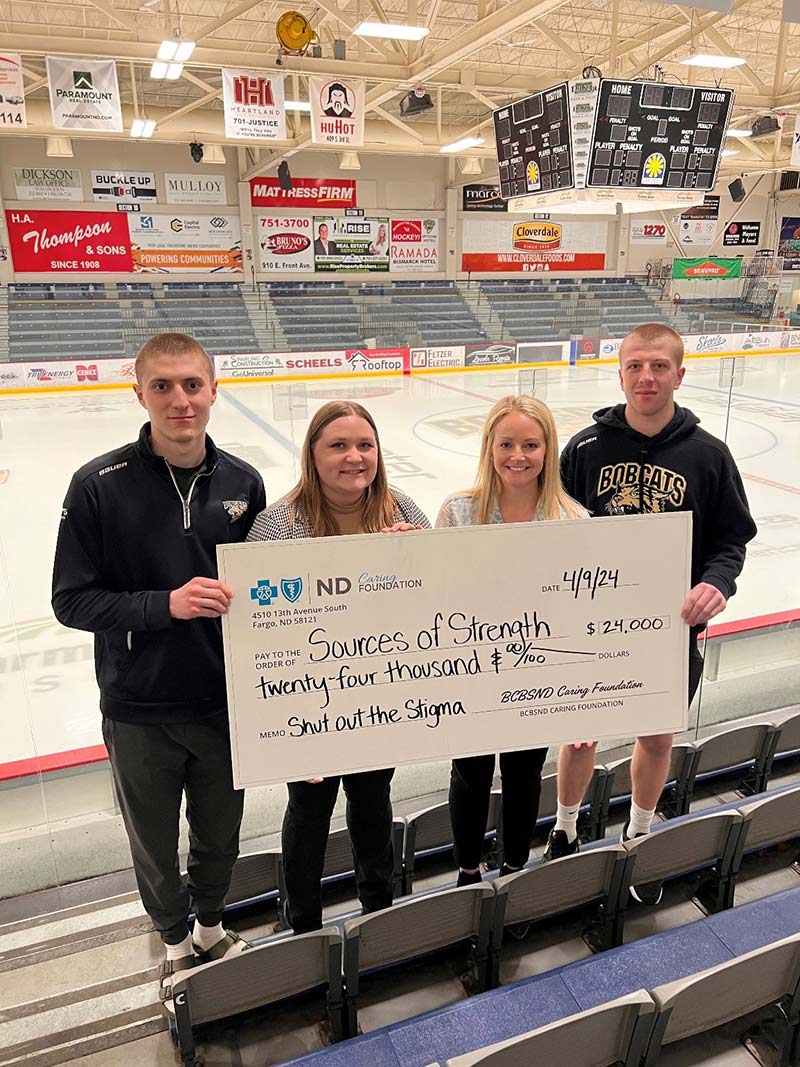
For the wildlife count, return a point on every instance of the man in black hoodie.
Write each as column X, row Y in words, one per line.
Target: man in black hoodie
column 136, row 565
column 649, row 455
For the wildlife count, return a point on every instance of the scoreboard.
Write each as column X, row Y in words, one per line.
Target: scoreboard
column 656, row 135
column 534, row 146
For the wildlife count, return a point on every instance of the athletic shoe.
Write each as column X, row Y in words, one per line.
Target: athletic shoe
column 558, row 846
column 468, row 878
column 645, row 892
column 230, row 944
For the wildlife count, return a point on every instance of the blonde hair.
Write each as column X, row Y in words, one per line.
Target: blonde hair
column 171, row 344
column 554, row 502
column 307, row 495
column 655, row 333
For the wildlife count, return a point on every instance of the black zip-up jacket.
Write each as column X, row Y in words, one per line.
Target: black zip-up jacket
column 127, row 539
column 613, row 469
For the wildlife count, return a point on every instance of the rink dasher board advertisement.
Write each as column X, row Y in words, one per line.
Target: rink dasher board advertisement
column 384, row 660
column 352, row 361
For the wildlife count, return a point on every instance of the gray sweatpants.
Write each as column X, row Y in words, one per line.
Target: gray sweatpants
column 153, row 765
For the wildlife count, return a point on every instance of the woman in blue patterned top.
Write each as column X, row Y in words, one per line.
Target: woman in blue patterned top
column 343, row 489
column 517, row 481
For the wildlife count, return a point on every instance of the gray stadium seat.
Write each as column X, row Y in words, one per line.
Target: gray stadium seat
column 551, row 888
column 749, row 746
column 768, row 821
column 788, row 740
column 614, row 1033
column 767, row 976
column 691, row 844
column 414, row 928
column 254, row 874
column 260, row 976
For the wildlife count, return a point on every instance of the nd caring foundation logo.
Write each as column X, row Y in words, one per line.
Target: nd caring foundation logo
column 537, row 236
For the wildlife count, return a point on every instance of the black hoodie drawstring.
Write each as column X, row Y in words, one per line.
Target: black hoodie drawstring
column 642, row 460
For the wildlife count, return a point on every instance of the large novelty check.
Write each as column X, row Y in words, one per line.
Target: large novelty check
column 351, row 653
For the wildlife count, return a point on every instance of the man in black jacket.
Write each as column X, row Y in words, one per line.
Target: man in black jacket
column 136, row 565
column 649, row 455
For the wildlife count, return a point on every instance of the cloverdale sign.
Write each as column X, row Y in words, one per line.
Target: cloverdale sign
column 709, row 267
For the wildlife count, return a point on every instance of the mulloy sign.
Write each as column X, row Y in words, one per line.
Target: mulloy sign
column 195, row 189
column 84, row 94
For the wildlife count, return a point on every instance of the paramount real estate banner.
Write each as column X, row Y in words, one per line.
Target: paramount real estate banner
column 254, row 105
column 710, row 267
column 48, row 183
column 164, row 244
column 348, row 244
column 504, row 245
column 12, row 92
column 337, row 111
column 55, row 241
column 124, row 186
column 84, row 94
column 414, row 246
column 195, row 189
column 286, row 243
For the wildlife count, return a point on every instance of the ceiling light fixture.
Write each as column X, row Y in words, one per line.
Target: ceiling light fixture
column 143, row 127
column 175, row 51
column 391, row 31
column 297, row 105
column 463, row 144
column 730, row 151
column 170, row 71
column 739, row 133
column 703, row 59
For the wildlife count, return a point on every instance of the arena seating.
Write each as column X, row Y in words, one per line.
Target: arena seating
column 316, row 315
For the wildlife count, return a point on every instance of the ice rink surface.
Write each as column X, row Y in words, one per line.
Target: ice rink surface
column 430, row 431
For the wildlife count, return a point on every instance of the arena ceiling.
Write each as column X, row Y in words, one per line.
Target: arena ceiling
column 479, row 54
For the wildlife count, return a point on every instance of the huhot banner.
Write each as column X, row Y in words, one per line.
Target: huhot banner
column 381, row 651
column 254, row 105
column 337, row 111
column 12, row 92
column 84, row 94
column 351, row 244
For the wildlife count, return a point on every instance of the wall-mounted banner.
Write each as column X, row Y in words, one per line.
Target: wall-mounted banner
column 742, row 234
column 414, row 247
column 48, row 183
column 711, row 268
column 347, row 244
column 337, row 111
column 124, row 186
column 795, row 161
column 308, row 193
column 84, row 94
column 55, row 241
column 648, row 232
column 164, row 244
column 254, row 108
column 573, row 244
column 287, row 243
column 528, row 650
column 789, row 242
column 12, row 92
column 698, row 224
column 195, row 189
column 481, row 197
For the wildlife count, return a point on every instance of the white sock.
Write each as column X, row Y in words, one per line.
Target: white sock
column 206, row 936
column 640, row 820
column 567, row 819
column 183, row 948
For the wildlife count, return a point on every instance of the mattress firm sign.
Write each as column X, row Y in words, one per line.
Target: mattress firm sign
column 47, row 183
column 123, row 186
column 195, row 189
column 84, row 94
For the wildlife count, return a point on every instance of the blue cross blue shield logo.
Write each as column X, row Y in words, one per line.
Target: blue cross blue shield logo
column 292, row 588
